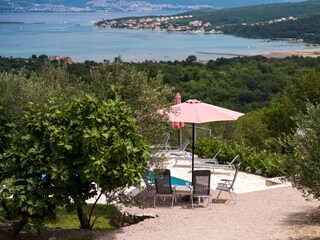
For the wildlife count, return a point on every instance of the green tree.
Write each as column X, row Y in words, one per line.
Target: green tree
column 17, row 89
column 308, row 90
column 252, row 130
column 278, row 115
column 144, row 95
column 191, row 59
column 65, row 150
column 304, row 151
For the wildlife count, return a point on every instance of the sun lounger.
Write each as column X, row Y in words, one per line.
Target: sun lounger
column 187, row 159
column 214, row 165
column 213, row 160
column 165, row 143
column 181, row 151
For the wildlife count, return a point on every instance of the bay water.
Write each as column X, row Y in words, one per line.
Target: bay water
column 73, row 34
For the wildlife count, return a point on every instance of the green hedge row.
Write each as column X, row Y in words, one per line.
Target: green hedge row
column 263, row 162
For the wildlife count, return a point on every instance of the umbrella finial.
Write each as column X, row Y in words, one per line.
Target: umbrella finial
column 178, row 98
column 177, row 125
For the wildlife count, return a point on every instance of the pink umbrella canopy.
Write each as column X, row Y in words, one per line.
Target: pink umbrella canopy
column 177, row 125
column 194, row 111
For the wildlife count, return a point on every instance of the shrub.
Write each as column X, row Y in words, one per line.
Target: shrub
column 262, row 162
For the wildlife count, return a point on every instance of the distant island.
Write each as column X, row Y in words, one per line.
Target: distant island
column 289, row 21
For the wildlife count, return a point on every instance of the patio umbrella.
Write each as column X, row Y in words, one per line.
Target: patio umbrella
column 178, row 125
column 194, row 111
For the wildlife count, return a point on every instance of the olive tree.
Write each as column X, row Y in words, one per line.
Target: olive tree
column 67, row 152
column 143, row 94
column 17, row 89
column 304, row 151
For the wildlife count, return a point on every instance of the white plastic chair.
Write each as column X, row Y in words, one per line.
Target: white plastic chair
column 227, row 185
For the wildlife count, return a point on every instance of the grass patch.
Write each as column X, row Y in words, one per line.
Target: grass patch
column 69, row 220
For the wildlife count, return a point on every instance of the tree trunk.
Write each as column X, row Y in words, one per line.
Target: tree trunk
column 83, row 218
column 17, row 228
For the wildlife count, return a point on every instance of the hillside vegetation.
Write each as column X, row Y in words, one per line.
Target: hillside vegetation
column 255, row 14
column 266, row 21
column 220, row 3
column 299, row 20
column 243, row 83
column 305, row 28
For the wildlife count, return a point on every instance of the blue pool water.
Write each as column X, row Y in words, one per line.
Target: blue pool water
column 174, row 180
column 179, row 181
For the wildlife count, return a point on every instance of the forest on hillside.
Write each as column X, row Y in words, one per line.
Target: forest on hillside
column 253, row 14
column 305, row 28
column 241, row 83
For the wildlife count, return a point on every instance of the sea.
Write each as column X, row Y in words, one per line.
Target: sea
column 74, row 34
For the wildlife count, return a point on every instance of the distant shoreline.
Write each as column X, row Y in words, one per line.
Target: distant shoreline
column 11, row 22
column 306, row 53
column 224, row 54
column 314, row 53
column 8, row 22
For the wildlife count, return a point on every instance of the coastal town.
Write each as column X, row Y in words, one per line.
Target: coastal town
column 162, row 23
column 174, row 24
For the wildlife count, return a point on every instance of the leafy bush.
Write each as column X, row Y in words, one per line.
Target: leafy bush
column 262, row 162
column 303, row 153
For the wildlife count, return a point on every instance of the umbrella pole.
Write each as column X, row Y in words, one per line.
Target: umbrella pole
column 192, row 169
column 179, row 137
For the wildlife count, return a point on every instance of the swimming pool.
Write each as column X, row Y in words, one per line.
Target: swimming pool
column 179, row 181
column 174, row 180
